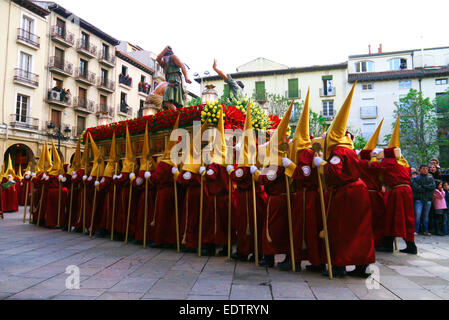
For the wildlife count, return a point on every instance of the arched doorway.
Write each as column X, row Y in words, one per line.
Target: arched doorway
column 20, row 155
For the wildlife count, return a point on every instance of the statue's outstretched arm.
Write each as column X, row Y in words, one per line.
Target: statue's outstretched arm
column 179, row 63
column 220, row 73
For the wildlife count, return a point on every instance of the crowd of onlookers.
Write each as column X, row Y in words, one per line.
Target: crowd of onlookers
column 64, row 95
column 431, row 200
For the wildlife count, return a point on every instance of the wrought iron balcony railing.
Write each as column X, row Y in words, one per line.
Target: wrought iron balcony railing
column 85, row 76
column 26, row 77
column 61, row 35
column 106, row 84
column 28, row 37
column 106, row 57
column 61, row 65
column 23, row 122
column 327, row 92
column 83, row 104
column 87, row 48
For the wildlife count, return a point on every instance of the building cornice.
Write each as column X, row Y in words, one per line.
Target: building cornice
column 134, row 62
column 399, row 74
column 32, row 7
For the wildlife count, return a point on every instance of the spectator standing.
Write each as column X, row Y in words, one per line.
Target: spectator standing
column 435, row 171
column 439, row 203
column 446, row 214
column 423, row 187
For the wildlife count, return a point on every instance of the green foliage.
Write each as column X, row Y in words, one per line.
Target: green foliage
column 359, row 142
column 419, row 128
column 194, row 102
column 441, row 104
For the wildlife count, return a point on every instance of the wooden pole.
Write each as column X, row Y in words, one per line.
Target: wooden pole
column 93, row 207
column 145, row 219
column 129, row 207
column 396, row 244
column 290, row 224
column 30, row 220
column 317, row 148
column 255, row 233
column 113, row 204
column 69, row 228
column 26, row 201
column 200, row 229
column 84, row 207
column 229, row 217
column 176, row 215
column 40, row 205
column 59, row 204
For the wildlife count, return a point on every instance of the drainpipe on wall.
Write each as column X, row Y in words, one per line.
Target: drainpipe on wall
column 4, row 79
column 419, row 81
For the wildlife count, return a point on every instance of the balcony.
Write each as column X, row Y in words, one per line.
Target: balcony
column 26, row 78
column 144, row 88
column 104, row 110
column 125, row 110
column 19, row 121
column 85, row 77
column 86, row 48
column 77, row 132
column 60, row 98
column 293, row 94
column 125, row 81
column 327, row 92
column 261, row 96
column 83, row 105
column 328, row 115
column 106, row 85
column 107, row 59
column 60, row 67
column 58, row 131
column 369, row 112
column 62, row 36
column 29, row 39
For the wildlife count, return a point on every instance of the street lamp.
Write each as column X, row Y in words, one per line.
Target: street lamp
column 196, row 75
column 58, row 133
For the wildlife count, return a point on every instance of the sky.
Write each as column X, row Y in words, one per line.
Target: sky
column 294, row 33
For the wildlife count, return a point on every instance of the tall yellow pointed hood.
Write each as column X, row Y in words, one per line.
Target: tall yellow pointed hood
column 40, row 163
column 76, row 162
column 169, row 146
column 47, row 160
column 109, row 171
column 147, row 162
column 98, row 167
column 28, row 168
column 274, row 153
column 2, row 173
column 10, row 169
column 301, row 138
column 19, row 172
column 85, row 159
column 248, row 157
column 372, row 143
column 129, row 156
column 219, row 148
column 395, row 141
column 57, row 165
column 336, row 134
column 192, row 163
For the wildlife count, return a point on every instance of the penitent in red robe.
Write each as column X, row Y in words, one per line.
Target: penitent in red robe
column 140, row 218
column 244, row 212
column 107, row 188
column 306, row 204
column 399, row 218
column 350, row 229
column 82, row 214
column 121, row 219
column 163, row 225
column 52, row 199
column 23, row 190
column 9, row 200
column 370, row 175
column 275, row 233
column 38, row 188
column 215, row 219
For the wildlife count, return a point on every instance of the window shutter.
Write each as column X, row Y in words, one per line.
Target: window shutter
column 260, row 90
column 293, row 90
column 327, row 77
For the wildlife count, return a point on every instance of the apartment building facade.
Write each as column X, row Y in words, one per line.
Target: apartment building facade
column 383, row 79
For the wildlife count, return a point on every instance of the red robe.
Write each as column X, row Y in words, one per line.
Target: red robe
column 107, row 188
column 77, row 203
column 65, row 210
column 275, row 233
column 243, row 216
column 350, row 229
column 370, row 176
column 98, row 219
column 190, row 210
column 140, row 218
column 51, row 200
column 163, row 225
column 121, row 211
column 81, row 213
column 23, row 190
column 9, row 199
column 306, row 204
column 215, row 219
column 38, row 188
column 399, row 216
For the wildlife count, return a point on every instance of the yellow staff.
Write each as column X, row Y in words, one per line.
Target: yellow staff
column 129, row 205
column 113, row 203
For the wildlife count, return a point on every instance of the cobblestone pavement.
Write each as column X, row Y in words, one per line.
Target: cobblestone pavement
column 33, row 262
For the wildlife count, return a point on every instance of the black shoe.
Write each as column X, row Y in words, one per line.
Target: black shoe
column 223, row 252
column 239, row 257
column 383, row 249
column 410, row 249
column 267, row 261
column 337, row 272
column 252, row 258
column 287, row 266
column 155, row 246
column 189, row 250
column 359, row 272
column 317, row 269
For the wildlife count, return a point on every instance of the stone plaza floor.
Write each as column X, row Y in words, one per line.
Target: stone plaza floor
column 33, row 262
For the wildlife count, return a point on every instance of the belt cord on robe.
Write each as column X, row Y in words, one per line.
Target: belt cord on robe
column 129, row 207
column 304, row 244
column 113, row 203
column 93, row 205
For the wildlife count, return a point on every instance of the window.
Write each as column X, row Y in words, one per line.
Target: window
column 123, row 102
column 56, row 118
column 57, row 83
column 105, row 51
column 328, row 108
column 368, row 108
column 83, row 67
column 104, row 76
column 22, row 108
column 260, row 91
column 25, row 62
column 60, row 27
column 441, row 81
column 368, row 130
column 293, row 88
column 328, row 85
column 143, row 79
column 27, row 27
column 364, row 66
column 59, row 58
column 397, row 64
column 80, row 125
column 124, row 70
column 405, row 84
column 85, row 40
column 367, row 86
column 82, row 94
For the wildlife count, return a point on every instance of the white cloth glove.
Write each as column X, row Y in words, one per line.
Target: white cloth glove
column 239, row 173
column 120, row 176
column 102, row 180
column 64, row 179
column 97, row 183
column 12, row 181
column 27, row 176
column 33, row 174
column 317, row 161
column 114, row 177
column 210, row 172
column 286, row 162
column 47, row 178
column 132, row 176
column 60, row 177
column 84, row 178
column 253, row 169
column 43, row 176
column 139, row 181
column 238, row 146
column 187, row 175
column 147, row 175
column 229, row 168
column 28, row 173
column 174, row 170
column 21, row 183
column 90, row 178
column 202, row 169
